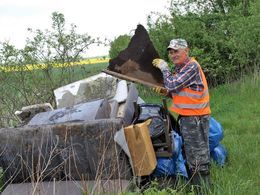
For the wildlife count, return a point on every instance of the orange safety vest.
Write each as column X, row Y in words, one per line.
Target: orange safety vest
column 188, row 102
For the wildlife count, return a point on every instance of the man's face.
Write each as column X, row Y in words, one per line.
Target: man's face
column 179, row 56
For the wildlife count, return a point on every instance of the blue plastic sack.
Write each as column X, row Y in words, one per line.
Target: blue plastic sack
column 180, row 166
column 215, row 133
column 165, row 167
column 174, row 165
column 177, row 141
column 170, row 167
column 219, row 155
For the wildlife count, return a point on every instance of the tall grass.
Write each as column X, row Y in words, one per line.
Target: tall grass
column 237, row 107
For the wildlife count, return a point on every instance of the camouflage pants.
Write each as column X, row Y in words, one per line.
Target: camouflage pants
column 194, row 130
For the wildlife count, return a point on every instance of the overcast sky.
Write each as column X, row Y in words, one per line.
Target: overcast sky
column 98, row 18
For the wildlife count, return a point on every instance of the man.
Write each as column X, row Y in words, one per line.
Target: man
column 189, row 91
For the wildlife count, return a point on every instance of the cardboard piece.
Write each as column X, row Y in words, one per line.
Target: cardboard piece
column 141, row 148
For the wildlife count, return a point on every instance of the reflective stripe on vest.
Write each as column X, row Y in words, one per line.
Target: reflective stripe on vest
column 189, row 102
column 184, row 93
column 192, row 106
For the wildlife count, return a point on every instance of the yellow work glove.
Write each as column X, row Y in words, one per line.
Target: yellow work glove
column 160, row 91
column 159, row 63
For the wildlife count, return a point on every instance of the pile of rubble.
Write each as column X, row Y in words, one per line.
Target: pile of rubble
column 75, row 141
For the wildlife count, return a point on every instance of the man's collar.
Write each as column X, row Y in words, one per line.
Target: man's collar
column 182, row 65
column 186, row 61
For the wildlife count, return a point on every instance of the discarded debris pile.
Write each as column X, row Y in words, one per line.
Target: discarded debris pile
column 135, row 62
column 76, row 140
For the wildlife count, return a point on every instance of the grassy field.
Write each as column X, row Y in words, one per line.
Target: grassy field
column 235, row 105
column 30, row 67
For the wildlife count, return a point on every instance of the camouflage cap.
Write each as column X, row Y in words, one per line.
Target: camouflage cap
column 177, row 44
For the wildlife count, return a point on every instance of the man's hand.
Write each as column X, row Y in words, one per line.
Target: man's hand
column 159, row 63
column 160, row 91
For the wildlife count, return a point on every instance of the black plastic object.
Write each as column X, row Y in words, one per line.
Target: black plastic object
column 156, row 127
column 159, row 128
column 156, row 113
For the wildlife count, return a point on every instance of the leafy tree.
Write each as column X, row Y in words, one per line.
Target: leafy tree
column 57, row 45
column 8, row 54
column 204, row 6
column 118, row 44
column 48, row 47
column 223, row 35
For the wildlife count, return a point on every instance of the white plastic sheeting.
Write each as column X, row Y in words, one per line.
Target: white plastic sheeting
column 100, row 86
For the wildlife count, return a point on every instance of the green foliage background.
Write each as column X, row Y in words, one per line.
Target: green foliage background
column 226, row 44
column 223, row 38
column 118, row 44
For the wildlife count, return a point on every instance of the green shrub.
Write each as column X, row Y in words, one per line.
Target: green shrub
column 118, row 44
column 225, row 44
